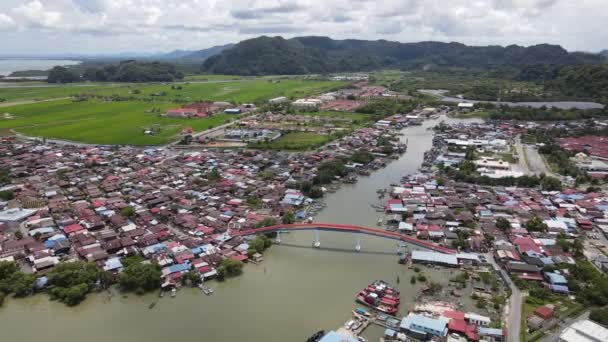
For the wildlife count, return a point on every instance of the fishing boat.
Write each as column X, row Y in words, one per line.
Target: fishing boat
column 380, row 296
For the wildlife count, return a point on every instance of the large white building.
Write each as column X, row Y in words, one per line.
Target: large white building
column 584, row 331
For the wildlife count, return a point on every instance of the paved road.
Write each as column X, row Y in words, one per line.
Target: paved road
column 521, row 159
column 515, row 303
column 536, row 163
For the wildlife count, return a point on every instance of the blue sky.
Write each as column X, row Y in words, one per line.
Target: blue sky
column 113, row 26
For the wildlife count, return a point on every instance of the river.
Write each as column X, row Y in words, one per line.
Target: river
column 296, row 291
column 536, row 104
column 9, row 65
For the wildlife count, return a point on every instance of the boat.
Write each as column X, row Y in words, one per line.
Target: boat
column 207, row 290
column 151, row 305
column 173, row 292
column 380, row 296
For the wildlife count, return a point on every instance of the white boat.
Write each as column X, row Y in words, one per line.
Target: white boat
column 173, row 292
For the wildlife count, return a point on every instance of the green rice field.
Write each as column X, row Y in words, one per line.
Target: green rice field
column 239, row 91
column 123, row 122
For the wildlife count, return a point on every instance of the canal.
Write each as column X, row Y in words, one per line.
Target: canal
column 296, row 291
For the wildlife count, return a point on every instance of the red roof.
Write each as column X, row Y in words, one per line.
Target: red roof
column 72, row 228
column 457, row 325
column 544, row 312
column 459, row 315
column 239, row 257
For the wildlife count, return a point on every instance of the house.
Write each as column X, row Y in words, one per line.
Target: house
column 232, row 111
column 465, row 106
column 279, row 99
column 421, row 326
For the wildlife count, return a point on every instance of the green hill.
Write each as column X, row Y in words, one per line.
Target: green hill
column 301, row 55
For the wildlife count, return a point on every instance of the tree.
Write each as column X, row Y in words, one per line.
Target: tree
column 535, row 224
column 600, row 316
column 288, row 218
column 214, row 175
column 503, row 224
column 140, row 277
column 70, row 282
column 128, row 211
column 191, row 277
column 61, row 74
column 266, row 222
column 481, row 303
column 551, row 184
column 229, row 268
column 7, row 195
column 19, row 235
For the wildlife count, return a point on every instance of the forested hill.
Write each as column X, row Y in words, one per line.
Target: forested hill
column 125, row 71
column 301, row 55
column 583, row 81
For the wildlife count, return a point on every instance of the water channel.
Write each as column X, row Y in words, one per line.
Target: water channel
column 534, row 104
column 296, row 291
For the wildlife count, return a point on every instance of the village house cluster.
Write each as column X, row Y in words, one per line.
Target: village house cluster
column 176, row 209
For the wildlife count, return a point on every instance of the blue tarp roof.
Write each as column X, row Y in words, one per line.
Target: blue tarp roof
column 179, row 268
column 555, row 278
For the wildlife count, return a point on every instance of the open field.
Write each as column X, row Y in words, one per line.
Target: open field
column 296, row 141
column 213, row 90
column 123, row 122
column 101, row 122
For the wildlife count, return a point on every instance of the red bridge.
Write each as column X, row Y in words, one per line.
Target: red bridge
column 344, row 228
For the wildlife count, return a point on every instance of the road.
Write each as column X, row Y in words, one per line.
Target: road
column 515, row 302
column 536, row 163
column 554, row 336
column 521, row 157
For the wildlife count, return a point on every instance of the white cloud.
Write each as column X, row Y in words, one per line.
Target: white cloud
column 117, row 25
column 6, row 22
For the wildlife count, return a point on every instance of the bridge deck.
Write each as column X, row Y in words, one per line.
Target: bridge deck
column 345, row 228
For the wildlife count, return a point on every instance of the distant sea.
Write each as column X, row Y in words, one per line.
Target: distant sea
column 8, row 65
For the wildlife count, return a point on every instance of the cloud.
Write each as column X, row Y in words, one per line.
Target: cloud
column 111, row 25
column 6, row 22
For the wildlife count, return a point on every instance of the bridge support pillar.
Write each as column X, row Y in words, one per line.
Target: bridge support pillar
column 317, row 241
column 278, row 237
column 358, row 243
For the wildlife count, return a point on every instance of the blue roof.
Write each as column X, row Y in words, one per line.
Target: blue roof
column 333, row 336
column 179, row 268
column 490, row 331
column 434, row 324
column 555, row 278
column 389, row 332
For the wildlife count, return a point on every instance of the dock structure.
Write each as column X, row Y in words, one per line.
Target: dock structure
column 344, row 228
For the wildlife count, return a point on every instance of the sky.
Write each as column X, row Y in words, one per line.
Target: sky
column 114, row 26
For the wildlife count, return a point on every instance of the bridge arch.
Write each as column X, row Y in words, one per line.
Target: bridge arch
column 345, row 228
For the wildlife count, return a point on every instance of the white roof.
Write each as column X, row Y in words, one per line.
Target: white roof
column 584, row 331
column 465, row 105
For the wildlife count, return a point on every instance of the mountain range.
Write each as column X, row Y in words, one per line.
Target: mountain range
column 302, row 55
column 200, row 55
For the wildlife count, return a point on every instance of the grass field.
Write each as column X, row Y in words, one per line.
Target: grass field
column 213, row 90
column 100, row 122
column 359, row 119
column 104, row 122
column 296, row 141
